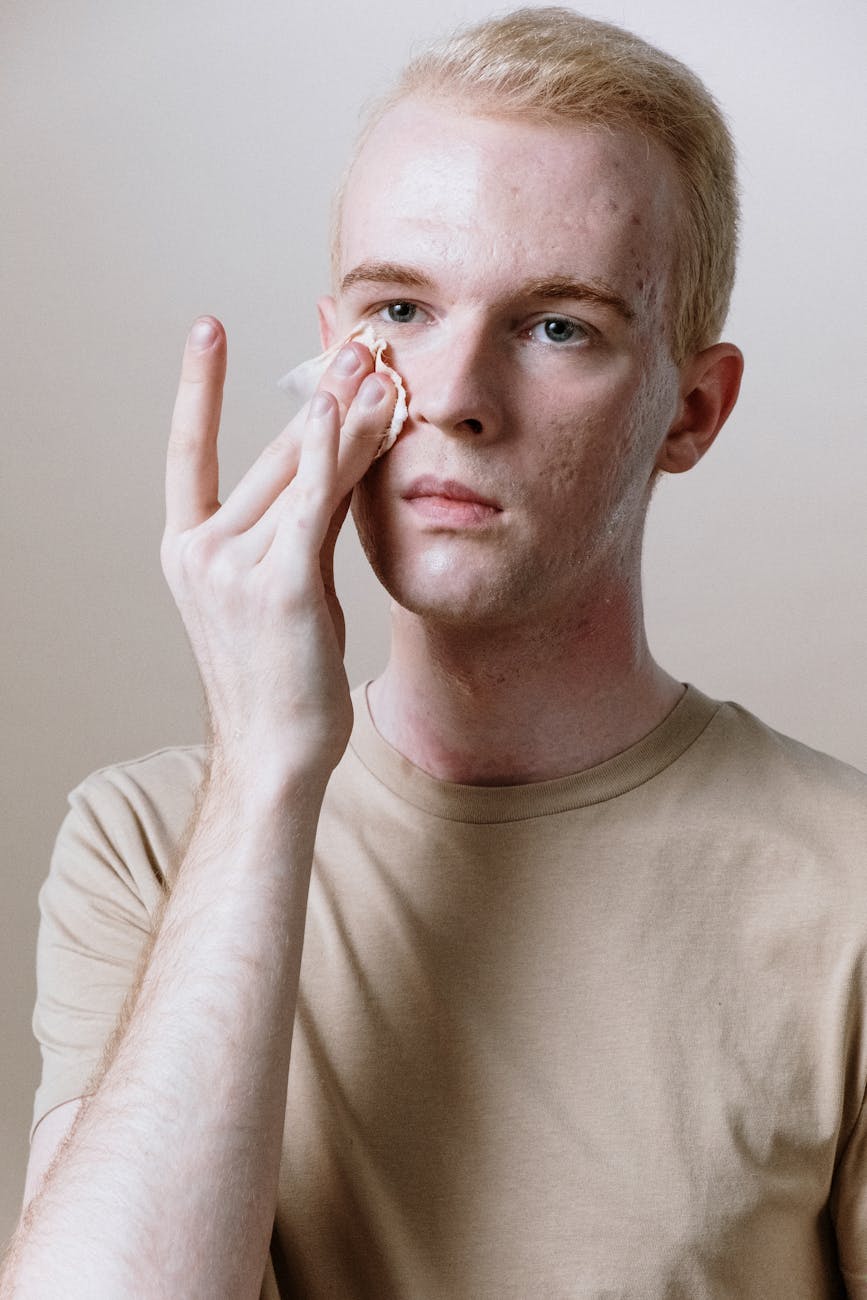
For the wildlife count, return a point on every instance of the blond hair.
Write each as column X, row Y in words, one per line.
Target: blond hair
column 554, row 65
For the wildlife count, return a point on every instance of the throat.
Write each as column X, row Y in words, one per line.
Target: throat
column 512, row 710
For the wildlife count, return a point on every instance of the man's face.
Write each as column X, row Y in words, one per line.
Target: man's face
column 520, row 274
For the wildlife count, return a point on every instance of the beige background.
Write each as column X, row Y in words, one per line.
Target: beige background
column 167, row 158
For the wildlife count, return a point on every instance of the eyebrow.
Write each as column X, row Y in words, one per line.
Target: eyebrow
column 556, row 287
column 385, row 273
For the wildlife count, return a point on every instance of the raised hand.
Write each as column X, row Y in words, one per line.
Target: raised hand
column 252, row 578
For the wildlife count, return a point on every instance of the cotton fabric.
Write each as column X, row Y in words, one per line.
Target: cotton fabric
column 596, row 1037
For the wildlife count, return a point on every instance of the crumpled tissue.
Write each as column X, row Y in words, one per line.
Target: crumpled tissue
column 302, row 381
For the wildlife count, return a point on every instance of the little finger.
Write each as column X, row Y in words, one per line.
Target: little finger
column 311, row 497
column 266, row 478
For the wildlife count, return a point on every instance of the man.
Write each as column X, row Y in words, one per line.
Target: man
column 580, row 1010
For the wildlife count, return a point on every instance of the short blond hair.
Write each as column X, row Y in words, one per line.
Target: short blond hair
column 554, row 65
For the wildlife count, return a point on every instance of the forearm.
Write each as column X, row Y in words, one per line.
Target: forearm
column 168, row 1183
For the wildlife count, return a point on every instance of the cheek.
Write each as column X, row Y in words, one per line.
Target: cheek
column 578, row 458
column 370, row 526
column 593, row 465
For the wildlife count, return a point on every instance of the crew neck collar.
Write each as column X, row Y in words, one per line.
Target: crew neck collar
column 501, row 803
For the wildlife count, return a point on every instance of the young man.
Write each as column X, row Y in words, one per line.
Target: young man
column 580, row 1010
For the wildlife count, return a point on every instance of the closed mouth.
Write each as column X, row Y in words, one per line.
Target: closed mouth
column 447, row 490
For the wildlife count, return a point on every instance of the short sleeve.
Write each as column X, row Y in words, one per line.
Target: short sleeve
column 115, row 854
column 849, row 1209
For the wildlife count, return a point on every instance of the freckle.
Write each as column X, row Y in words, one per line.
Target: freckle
column 636, row 219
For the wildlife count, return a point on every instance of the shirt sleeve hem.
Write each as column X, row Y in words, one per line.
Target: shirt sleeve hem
column 68, row 1087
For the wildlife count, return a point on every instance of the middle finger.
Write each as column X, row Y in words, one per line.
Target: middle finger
column 276, row 466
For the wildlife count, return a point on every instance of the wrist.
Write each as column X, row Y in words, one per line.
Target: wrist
column 259, row 787
column 278, row 764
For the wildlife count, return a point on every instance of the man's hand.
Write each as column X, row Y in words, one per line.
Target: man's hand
column 193, row 1092
column 253, row 578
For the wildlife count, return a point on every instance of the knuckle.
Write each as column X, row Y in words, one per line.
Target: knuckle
column 195, row 373
column 168, row 562
column 168, row 549
column 291, row 597
column 367, row 434
column 197, row 549
column 280, row 448
column 209, row 569
column 309, row 501
column 224, row 572
column 184, row 442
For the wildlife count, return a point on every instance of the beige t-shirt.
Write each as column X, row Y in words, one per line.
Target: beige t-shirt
column 602, row 1036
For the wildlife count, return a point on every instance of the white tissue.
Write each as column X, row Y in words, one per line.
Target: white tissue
column 303, row 380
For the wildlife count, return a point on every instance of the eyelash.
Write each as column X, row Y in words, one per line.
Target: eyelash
column 584, row 330
column 396, row 302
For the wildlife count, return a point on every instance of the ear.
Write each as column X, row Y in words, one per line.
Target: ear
column 710, row 383
column 327, row 309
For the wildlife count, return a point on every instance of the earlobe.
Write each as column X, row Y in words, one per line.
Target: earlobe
column 710, row 382
column 327, row 310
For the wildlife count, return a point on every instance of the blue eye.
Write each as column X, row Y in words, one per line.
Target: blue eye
column 400, row 313
column 558, row 329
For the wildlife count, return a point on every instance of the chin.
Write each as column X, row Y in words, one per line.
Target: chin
column 445, row 585
column 477, row 583
column 434, row 591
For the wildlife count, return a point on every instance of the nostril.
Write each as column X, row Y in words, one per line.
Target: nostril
column 474, row 425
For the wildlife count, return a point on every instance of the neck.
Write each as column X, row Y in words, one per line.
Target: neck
column 507, row 706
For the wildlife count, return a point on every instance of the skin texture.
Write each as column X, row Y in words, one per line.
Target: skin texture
column 518, row 648
column 192, row 1094
column 564, row 427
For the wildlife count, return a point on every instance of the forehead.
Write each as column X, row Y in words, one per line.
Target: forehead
column 439, row 185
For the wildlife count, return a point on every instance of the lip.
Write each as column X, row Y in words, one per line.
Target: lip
column 449, row 489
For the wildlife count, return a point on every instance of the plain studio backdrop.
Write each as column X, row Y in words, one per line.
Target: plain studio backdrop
column 174, row 157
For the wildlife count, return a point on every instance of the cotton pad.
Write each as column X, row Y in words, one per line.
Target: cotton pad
column 303, row 381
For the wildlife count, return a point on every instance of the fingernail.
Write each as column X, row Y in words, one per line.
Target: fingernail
column 371, row 392
column 346, row 362
column 202, row 334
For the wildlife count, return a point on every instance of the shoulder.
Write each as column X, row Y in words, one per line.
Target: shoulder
column 172, row 774
column 743, row 741
column 132, row 816
column 759, row 786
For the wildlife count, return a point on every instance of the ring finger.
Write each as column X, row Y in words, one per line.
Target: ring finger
column 263, row 482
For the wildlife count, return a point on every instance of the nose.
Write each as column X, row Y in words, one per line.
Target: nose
column 455, row 386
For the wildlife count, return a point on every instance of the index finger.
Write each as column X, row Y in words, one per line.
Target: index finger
column 192, row 469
